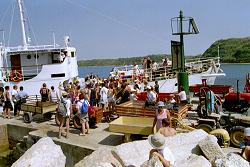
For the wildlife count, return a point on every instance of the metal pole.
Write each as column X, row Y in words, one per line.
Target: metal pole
column 218, row 51
column 182, row 43
column 182, row 74
column 54, row 39
column 20, row 4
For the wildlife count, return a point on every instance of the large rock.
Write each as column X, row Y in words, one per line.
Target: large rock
column 194, row 161
column 231, row 160
column 182, row 146
column 133, row 153
column 45, row 153
column 211, row 148
column 101, row 157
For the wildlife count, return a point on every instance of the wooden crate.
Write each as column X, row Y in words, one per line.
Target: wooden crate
column 98, row 114
column 135, row 109
column 181, row 113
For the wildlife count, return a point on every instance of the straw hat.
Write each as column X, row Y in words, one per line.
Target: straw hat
column 157, row 141
column 136, row 81
column 64, row 93
column 172, row 95
column 247, row 131
column 132, row 90
column 161, row 104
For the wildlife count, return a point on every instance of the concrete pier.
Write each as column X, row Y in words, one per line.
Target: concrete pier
column 75, row 148
column 4, row 142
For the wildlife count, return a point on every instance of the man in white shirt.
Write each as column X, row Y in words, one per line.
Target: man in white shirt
column 84, row 117
column 104, row 96
column 14, row 99
column 54, row 95
column 136, row 70
column 154, row 66
column 183, row 96
column 151, row 97
column 21, row 98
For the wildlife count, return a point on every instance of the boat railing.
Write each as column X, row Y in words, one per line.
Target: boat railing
column 123, row 68
column 30, row 48
column 203, row 60
column 166, row 72
column 21, row 74
column 192, row 66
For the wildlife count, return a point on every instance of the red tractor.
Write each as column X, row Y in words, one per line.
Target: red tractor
column 234, row 116
column 237, row 102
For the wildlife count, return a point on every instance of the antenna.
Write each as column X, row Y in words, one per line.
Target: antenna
column 2, row 43
column 54, row 39
column 20, row 4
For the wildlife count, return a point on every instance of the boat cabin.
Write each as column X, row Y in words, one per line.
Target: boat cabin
column 25, row 64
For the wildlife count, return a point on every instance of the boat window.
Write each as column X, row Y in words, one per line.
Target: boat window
column 36, row 56
column 28, row 56
column 58, row 75
column 72, row 54
column 56, row 57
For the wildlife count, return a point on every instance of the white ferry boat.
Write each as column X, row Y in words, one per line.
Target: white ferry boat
column 30, row 66
column 199, row 69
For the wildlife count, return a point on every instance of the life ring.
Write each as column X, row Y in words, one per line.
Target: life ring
column 16, row 76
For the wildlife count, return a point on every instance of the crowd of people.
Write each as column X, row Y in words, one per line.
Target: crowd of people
column 13, row 98
column 151, row 69
column 107, row 93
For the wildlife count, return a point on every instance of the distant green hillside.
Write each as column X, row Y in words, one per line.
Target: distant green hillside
column 233, row 50
column 120, row 61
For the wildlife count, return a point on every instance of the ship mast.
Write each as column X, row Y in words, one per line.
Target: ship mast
column 20, row 4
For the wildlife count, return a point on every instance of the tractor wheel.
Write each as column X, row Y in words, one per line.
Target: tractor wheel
column 237, row 135
column 27, row 117
column 201, row 111
column 77, row 123
column 207, row 128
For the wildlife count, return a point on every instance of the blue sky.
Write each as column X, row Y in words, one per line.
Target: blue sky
column 127, row 28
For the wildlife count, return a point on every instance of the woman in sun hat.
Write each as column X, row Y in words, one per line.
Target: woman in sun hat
column 157, row 141
column 245, row 146
column 160, row 114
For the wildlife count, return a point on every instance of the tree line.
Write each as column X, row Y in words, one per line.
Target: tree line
column 232, row 50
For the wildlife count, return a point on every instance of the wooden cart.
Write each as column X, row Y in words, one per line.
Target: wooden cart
column 131, row 125
column 34, row 106
column 137, row 109
column 134, row 118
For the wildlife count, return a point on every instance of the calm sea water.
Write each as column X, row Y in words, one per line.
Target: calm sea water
column 233, row 72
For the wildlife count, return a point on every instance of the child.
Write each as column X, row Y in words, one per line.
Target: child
column 245, row 146
column 166, row 130
column 172, row 100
